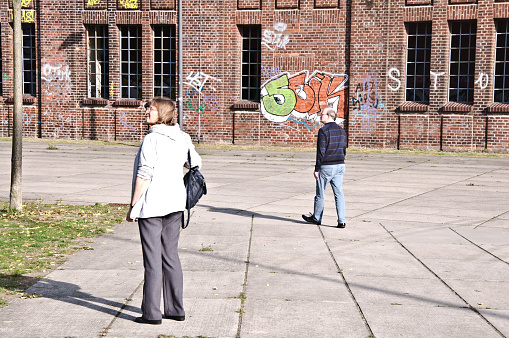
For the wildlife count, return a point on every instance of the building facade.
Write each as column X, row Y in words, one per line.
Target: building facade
column 403, row 74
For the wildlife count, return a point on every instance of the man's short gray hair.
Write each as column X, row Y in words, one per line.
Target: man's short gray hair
column 331, row 112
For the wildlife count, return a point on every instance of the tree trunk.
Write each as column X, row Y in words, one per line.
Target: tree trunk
column 17, row 116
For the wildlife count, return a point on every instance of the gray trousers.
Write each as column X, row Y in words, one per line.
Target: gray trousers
column 159, row 242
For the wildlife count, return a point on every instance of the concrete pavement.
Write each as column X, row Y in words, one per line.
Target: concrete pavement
column 425, row 252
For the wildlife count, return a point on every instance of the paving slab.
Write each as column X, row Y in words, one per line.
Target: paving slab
column 281, row 318
column 418, row 321
column 426, row 238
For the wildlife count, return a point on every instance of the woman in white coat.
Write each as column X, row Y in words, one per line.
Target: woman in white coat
column 158, row 200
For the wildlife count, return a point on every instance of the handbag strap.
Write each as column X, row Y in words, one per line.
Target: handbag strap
column 187, row 194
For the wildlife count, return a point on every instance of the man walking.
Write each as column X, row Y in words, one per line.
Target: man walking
column 330, row 167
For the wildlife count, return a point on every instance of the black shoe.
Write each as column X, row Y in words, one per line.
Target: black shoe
column 177, row 318
column 142, row 320
column 341, row 225
column 310, row 219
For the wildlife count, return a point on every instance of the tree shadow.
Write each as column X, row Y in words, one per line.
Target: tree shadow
column 16, row 284
column 71, row 40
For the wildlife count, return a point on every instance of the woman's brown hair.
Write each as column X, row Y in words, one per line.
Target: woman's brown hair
column 165, row 110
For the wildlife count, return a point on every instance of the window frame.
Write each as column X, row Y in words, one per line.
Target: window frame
column 251, row 36
column 30, row 86
column 128, row 89
column 1, row 72
column 501, row 81
column 460, row 76
column 101, row 75
column 421, row 32
column 158, row 87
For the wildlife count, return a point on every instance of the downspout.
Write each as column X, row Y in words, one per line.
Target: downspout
column 348, row 47
column 486, row 134
column 179, row 66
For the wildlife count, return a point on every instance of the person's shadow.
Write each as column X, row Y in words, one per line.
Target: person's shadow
column 247, row 213
column 72, row 294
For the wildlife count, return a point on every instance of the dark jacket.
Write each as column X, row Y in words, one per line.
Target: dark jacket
column 331, row 145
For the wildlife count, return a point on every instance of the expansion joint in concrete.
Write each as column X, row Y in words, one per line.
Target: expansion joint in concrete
column 423, row 193
column 244, row 286
column 104, row 333
column 340, row 271
column 491, row 219
column 468, row 305
column 478, row 246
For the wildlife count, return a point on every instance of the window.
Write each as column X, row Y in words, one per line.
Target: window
column 418, row 62
column 251, row 62
column 1, row 73
column 130, row 61
column 29, row 57
column 98, row 56
column 164, row 61
column 501, row 93
column 461, row 72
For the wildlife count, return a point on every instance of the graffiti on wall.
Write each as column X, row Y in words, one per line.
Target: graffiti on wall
column 129, row 4
column 27, row 119
column 397, row 85
column 198, row 79
column 27, row 16
column 123, row 120
column 196, row 97
column 394, row 74
column 274, row 39
column 483, row 80
column 63, row 123
column 93, row 2
column 301, row 96
column 367, row 103
column 271, row 71
column 52, row 73
column 58, row 80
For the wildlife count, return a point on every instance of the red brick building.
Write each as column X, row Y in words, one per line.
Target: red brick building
column 426, row 74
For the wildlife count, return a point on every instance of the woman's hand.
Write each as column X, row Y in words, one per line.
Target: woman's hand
column 128, row 216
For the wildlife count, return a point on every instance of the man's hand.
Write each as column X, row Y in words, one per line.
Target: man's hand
column 316, row 173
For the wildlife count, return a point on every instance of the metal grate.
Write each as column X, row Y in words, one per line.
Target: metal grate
column 98, row 62
column 501, row 92
column 29, row 59
column 461, row 71
column 130, row 61
column 165, row 67
column 251, row 62
column 418, row 62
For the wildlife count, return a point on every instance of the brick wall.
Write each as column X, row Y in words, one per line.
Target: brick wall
column 351, row 55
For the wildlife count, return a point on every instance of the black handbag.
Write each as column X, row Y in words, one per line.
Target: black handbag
column 195, row 188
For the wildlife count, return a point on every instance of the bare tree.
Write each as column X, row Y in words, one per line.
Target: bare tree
column 17, row 130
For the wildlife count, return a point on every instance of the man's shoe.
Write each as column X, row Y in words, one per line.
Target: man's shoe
column 310, row 219
column 142, row 320
column 177, row 318
column 341, row 225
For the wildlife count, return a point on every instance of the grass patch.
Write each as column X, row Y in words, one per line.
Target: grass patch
column 206, row 248
column 350, row 150
column 68, row 141
column 40, row 237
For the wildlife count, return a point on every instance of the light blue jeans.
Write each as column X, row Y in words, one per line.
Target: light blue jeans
column 334, row 175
